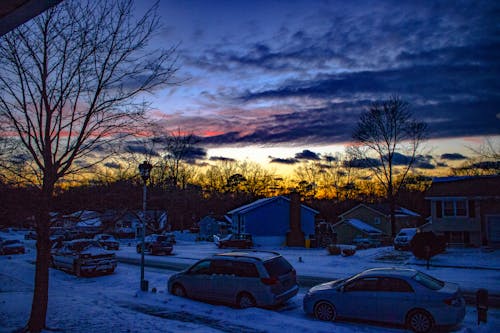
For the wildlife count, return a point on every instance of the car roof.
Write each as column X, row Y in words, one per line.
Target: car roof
column 258, row 255
column 389, row 271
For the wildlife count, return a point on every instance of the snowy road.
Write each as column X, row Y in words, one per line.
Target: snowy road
column 114, row 304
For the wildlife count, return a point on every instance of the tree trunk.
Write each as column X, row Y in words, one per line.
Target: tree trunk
column 37, row 321
column 393, row 216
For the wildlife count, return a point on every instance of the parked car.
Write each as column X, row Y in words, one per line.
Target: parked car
column 11, row 246
column 247, row 279
column 156, row 244
column 107, row 241
column 240, row 241
column 404, row 237
column 365, row 243
column 82, row 257
column 394, row 295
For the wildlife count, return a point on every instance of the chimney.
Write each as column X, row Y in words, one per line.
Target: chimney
column 295, row 237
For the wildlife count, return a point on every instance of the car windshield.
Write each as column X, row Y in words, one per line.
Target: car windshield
column 428, row 281
column 277, row 266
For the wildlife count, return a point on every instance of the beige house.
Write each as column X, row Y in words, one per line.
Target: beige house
column 372, row 221
column 466, row 210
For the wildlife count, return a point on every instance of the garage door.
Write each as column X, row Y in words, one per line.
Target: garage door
column 494, row 230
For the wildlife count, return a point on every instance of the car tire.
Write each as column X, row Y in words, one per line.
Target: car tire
column 420, row 321
column 325, row 311
column 178, row 290
column 245, row 300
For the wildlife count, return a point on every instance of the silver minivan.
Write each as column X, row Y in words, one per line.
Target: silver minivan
column 244, row 278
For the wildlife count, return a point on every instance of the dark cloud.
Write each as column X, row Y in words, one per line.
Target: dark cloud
column 453, row 156
column 141, row 150
column 112, row 165
column 362, row 163
column 221, row 158
column 283, row 160
column 307, row 155
column 191, row 154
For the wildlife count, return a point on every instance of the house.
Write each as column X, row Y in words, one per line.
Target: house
column 129, row 223
column 466, row 210
column 275, row 221
column 372, row 221
column 210, row 225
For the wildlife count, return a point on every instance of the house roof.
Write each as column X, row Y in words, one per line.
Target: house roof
column 362, row 226
column 383, row 209
column 261, row 202
column 478, row 186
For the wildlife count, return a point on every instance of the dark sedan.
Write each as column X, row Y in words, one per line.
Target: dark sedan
column 11, row 246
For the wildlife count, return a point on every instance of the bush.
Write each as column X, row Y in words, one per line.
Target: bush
column 333, row 249
column 426, row 245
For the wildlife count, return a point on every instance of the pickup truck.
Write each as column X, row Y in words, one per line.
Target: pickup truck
column 82, row 257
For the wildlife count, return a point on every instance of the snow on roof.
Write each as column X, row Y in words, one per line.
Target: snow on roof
column 407, row 211
column 365, row 227
column 96, row 222
column 261, row 202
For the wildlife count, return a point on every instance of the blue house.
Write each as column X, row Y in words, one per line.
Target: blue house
column 210, row 226
column 271, row 221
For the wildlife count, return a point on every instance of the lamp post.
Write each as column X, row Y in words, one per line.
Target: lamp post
column 144, row 170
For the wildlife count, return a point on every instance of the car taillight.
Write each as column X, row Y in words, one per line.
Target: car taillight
column 270, row 281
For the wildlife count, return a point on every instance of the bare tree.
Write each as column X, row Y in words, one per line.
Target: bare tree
column 70, row 83
column 387, row 140
column 485, row 160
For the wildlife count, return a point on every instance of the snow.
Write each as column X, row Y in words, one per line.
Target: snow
column 113, row 303
column 360, row 225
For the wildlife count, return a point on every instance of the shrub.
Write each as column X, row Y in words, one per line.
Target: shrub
column 426, row 245
column 333, row 249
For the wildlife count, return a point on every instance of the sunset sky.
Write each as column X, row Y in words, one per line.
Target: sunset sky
column 275, row 81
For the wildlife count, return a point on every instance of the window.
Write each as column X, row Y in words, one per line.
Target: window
column 394, row 285
column 428, row 281
column 201, row 268
column 246, row 269
column 363, row 284
column 454, row 208
column 376, row 220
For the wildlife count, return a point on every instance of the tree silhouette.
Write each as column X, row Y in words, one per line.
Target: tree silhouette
column 383, row 135
column 69, row 85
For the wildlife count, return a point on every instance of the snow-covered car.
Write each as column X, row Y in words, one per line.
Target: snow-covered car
column 82, row 257
column 244, row 278
column 403, row 238
column 107, row 241
column 11, row 246
column 156, row 244
column 240, row 241
column 394, row 295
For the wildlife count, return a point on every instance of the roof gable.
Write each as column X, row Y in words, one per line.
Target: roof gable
column 261, row 202
column 383, row 210
column 362, row 226
column 479, row 186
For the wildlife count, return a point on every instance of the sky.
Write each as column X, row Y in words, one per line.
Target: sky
column 267, row 80
column 113, row 303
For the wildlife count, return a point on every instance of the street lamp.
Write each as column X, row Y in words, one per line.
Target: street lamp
column 144, row 170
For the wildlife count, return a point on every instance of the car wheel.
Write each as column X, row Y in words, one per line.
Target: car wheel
column 245, row 300
column 178, row 290
column 420, row 321
column 325, row 311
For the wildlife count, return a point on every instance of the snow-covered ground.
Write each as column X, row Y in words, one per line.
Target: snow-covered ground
column 114, row 303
